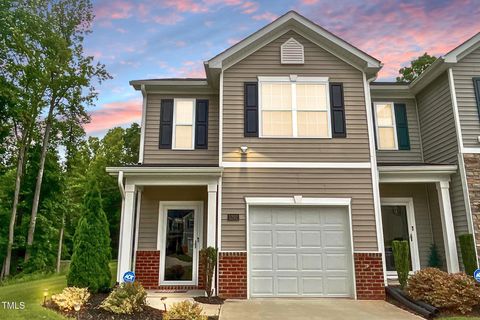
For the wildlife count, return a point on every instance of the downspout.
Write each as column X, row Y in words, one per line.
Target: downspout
column 121, row 187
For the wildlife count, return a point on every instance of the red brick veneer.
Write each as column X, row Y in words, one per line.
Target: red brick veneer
column 369, row 276
column 147, row 267
column 232, row 280
column 147, row 272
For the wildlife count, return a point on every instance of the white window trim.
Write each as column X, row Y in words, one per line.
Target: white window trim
column 293, row 80
column 174, row 129
column 394, row 126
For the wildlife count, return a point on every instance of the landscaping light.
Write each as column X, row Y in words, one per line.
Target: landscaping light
column 45, row 294
column 244, row 149
column 76, row 307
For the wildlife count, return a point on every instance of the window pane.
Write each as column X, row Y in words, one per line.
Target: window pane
column 312, row 124
column 184, row 112
column 276, row 96
column 183, row 137
column 384, row 114
column 277, row 123
column 386, row 138
column 311, row 96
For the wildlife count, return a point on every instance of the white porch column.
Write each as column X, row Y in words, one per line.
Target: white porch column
column 212, row 215
column 447, row 226
column 126, row 233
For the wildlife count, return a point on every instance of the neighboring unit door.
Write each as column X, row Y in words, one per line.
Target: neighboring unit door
column 398, row 221
column 300, row 252
column 180, row 241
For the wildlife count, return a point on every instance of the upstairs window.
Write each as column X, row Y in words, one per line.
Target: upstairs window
column 183, row 124
column 294, row 107
column 386, row 130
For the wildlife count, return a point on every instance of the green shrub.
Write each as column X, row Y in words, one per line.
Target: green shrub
column 69, row 297
column 185, row 310
column 208, row 258
column 401, row 257
column 91, row 245
column 469, row 256
column 434, row 257
column 127, row 298
column 453, row 292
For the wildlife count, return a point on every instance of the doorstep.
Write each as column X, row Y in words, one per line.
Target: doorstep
column 154, row 300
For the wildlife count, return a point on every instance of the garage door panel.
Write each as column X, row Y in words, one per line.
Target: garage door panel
column 262, row 286
column 287, row 262
column 337, row 262
column 262, row 261
column 304, row 251
column 261, row 239
column 311, row 239
column 287, row 286
column 311, row 262
column 286, row 239
column 334, row 239
column 312, row 285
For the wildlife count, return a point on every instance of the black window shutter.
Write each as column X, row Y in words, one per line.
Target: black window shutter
column 166, row 124
column 337, row 109
column 402, row 126
column 201, row 124
column 251, row 109
column 476, row 87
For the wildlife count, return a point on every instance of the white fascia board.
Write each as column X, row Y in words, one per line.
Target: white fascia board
column 298, row 200
column 317, row 165
column 215, row 171
column 216, row 62
column 463, row 49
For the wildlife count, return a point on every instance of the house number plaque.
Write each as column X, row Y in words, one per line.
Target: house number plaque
column 233, row 217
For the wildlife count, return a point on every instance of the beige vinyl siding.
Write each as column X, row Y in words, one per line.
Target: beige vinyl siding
column 154, row 155
column 436, row 222
column 149, row 210
column 414, row 155
column 437, row 124
column 417, row 191
column 459, row 214
column 239, row 183
column 319, row 63
column 463, row 72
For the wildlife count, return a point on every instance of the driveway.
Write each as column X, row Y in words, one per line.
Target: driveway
column 307, row 309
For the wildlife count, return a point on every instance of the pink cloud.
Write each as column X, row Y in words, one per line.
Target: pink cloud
column 189, row 69
column 186, row 5
column 114, row 10
column 169, row 19
column 114, row 114
column 249, row 7
column 308, row 2
column 268, row 16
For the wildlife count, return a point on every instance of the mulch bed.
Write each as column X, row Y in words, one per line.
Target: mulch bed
column 211, row 300
column 90, row 311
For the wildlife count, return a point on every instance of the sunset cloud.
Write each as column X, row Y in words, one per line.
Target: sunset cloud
column 138, row 39
column 114, row 114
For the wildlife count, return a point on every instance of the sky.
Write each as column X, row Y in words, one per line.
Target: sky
column 141, row 39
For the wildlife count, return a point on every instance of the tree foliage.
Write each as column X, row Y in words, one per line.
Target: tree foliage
column 91, row 252
column 417, row 66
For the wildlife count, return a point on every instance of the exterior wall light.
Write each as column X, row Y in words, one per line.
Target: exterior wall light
column 244, row 149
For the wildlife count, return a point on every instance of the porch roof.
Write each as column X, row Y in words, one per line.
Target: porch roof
column 415, row 172
column 142, row 170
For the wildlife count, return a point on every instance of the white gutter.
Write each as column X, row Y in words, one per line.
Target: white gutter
column 120, row 184
column 142, row 125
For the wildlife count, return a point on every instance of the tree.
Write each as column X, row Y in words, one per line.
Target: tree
column 417, row 66
column 71, row 74
column 91, row 252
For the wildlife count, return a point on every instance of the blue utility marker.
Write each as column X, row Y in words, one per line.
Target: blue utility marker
column 129, row 276
column 476, row 275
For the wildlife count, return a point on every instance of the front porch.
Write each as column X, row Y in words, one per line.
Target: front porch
column 168, row 216
column 416, row 206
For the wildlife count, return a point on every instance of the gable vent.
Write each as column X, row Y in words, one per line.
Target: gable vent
column 291, row 52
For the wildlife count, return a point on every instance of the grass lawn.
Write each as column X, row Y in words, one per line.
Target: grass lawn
column 31, row 293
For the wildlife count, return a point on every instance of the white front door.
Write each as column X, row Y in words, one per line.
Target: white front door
column 179, row 241
column 398, row 219
column 300, row 252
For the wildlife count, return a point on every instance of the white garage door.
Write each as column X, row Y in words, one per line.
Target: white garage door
column 300, row 251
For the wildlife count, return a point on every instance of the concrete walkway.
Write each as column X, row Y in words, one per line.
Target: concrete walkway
column 161, row 300
column 308, row 309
